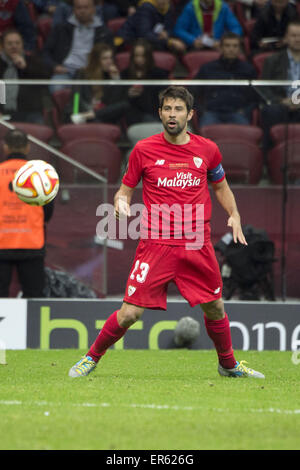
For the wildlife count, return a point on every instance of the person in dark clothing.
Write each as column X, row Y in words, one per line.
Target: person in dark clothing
column 270, row 27
column 22, row 226
column 99, row 103
column 105, row 11
column 68, row 45
column 126, row 7
column 226, row 104
column 143, row 107
column 23, row 103
column 284, row 65
column 154, row 21
column 15, row 14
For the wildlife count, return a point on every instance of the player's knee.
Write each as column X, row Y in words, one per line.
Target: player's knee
column 129, row 314
column 214, row 310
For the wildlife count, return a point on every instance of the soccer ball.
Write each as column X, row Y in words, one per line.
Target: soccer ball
column 36, row 183
column 186, row 332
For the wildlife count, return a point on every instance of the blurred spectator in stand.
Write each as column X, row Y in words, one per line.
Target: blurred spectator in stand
column 283, row 100
column 22, row 234
column 143, row 119
column 23, row 103
column 46, row 7
column 15, row 14
column 154, row 21
column 252, row 8
column 202, row 23
column 178, row 6
column 68, row 44
column 99, row 103
column 126, row 7
column 105, row 11
column 143, row 107
column 270, row 27
column 227, row 104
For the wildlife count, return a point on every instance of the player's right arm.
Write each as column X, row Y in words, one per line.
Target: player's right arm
column 122, row 201
column 131, row 178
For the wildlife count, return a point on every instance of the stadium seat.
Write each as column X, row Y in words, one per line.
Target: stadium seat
column 97, row 154
column 68, row 132
column 194, row 60
column 32, row 11
column 242, row 160
column 258, row 61
column 36, row 153
column 43, row 25
column 143, row 130
column 281, row 132
column 247, row 24
column 164, row 60
column 290, row 150
column 232, row 131
column 43, row 133
column 38, row 131
column 60, row 99
column 115, row 24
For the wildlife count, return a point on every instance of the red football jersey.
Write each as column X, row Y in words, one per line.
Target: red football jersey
column 175, row 186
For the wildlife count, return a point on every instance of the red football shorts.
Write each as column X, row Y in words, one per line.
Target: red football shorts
column 196, row 274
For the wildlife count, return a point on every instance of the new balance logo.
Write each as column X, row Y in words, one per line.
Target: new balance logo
column 159, row 162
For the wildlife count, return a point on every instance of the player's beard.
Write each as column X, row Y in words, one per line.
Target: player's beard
column 174, row 131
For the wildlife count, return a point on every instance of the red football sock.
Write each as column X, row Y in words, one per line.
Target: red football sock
column 110, row 334
column 219, row 333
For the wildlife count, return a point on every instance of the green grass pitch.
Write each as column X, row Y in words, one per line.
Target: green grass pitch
column 148, row 400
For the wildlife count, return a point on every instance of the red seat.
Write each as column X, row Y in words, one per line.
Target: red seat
column 164, row 60
column 194, row 60
column 242, row 160
column 36, row 153
column 44, row 25
column 290, row 150
column 281, row 132
column 97, row 154
column 43, row 133
column 232, row 131
column 69, row 132
column 32, row 11
column 115, row 24
column 60, row 99
column 38, row 131
column 258, row 61
column 122, row 60
column 247, row 24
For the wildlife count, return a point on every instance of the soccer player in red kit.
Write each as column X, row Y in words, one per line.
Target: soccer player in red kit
column 175, row 167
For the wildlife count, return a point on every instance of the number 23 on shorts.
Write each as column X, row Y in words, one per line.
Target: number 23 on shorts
column 140, row 271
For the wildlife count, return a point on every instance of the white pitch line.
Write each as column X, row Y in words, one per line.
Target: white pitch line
column 149, row 406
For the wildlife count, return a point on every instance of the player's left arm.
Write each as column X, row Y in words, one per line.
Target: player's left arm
column 226, row 198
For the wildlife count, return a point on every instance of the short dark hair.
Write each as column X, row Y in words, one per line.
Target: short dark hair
column 9, row 31
column 175, row 91
column 295, row 22
column 16, row 139
column 230, row 35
